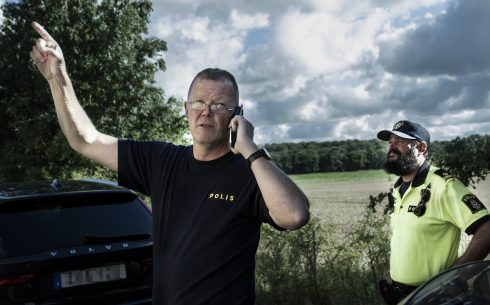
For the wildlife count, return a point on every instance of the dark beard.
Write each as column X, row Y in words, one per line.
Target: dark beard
column 404, row 165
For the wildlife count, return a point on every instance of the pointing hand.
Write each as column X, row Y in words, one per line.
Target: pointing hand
column 46, row 54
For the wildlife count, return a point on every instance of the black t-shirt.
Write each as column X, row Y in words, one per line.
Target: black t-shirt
column 206, row 221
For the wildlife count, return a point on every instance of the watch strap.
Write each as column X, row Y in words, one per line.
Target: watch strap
column 256, row 155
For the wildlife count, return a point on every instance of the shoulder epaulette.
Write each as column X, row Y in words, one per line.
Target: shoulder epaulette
column 443, row 173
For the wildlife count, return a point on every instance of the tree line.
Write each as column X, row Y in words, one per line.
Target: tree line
column 467, row 157
column 334, row 156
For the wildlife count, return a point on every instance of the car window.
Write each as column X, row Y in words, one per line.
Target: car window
column 463, row 284
column 28, row 227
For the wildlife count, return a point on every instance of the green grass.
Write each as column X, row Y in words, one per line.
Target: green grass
column 364, row 175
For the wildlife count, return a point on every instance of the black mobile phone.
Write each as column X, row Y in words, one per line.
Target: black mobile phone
column 238, row 111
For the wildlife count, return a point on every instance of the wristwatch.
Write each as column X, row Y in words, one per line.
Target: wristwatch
column 261, row 153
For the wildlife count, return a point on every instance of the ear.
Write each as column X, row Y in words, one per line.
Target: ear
column 422, row 147
column 186, row 110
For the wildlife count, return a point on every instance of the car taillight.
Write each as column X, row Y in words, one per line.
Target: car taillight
column 15, row 280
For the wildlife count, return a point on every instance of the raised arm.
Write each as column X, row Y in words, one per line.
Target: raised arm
column 81, row 134
column 287, row 204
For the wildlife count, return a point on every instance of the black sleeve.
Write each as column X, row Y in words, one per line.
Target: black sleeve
column 474, row 226
column 136, row 161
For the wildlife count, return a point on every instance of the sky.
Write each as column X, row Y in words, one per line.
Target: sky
column 317, row 70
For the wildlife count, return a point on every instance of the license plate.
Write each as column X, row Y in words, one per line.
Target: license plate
column 89, row 276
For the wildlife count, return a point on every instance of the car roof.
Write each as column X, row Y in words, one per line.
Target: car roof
column 40, row 189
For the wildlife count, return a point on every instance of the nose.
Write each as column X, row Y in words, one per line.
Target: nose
column 207, row 110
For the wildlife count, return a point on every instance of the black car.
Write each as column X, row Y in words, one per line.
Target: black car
column 466, row 284
column 74, row 242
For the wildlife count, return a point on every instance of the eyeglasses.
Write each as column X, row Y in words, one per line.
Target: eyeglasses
column 424, row 197
column 216, row 108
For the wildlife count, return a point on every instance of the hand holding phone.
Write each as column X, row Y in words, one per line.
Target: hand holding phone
column 238, row 111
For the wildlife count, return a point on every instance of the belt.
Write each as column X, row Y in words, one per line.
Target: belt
column 395, row 291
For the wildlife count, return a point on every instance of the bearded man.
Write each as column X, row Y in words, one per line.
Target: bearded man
column 429, row 210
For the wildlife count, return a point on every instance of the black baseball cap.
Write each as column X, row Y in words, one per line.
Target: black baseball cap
column 406, row 130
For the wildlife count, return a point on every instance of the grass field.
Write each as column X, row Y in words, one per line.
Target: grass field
column 364, row 175
column 341, row 198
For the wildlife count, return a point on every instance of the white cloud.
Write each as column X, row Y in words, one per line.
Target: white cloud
column 322, row 42
column 312, row 111
column 248, row 22
column 326, row 70
column 196, row 42
column 354, row 128
column 264, row 134
column 297, row 84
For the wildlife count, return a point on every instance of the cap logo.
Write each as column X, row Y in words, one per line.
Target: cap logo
column 398, row 125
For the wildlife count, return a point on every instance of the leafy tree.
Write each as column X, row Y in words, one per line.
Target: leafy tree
column 324, row 159
column 357, row 159
column 375, row 153
column 306, row 160
column 112, row 62
column 334, row 159
column 466, row 158
column 282, row 156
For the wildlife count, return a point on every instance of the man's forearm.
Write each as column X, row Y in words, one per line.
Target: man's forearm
column 77, row 127
column 74, row 122
column 287, row 204
column 479, row 246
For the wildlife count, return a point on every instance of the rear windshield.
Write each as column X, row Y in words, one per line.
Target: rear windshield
column 28, row 227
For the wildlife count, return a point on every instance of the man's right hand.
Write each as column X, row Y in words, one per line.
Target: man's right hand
column 47, row 54
column 81, row 134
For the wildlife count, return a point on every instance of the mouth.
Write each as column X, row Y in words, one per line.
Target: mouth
column 205, row 125
column 393, row 154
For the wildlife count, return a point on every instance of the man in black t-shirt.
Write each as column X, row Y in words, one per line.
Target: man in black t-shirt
column 208, row 199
